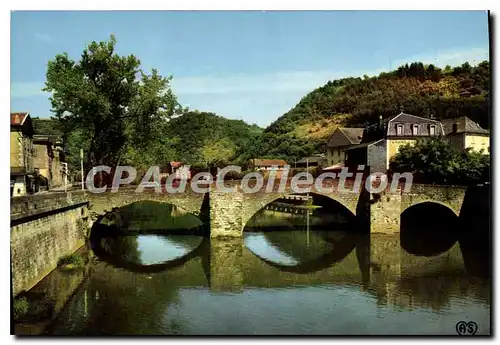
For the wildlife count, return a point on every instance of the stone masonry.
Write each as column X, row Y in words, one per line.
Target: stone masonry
column 228, row 212
column 43, row 229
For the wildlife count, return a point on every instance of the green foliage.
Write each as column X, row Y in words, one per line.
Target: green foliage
column 47, row 126
column 101, row 98
column 422, row 90
column 72, row 261
column 217, row 151
column 20, row 306
column 435, row 161
column 205, row 139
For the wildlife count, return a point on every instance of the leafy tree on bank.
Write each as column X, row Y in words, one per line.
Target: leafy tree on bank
column 101, row 97
column 435, row 161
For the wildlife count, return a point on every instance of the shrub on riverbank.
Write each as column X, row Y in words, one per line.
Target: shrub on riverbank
column 20, row 307
column 72, row 261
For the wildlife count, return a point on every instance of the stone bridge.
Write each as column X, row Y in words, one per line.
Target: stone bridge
column 226, row 213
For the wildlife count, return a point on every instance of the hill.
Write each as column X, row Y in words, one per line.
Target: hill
column 205, row 138
column 46, row 126
column 423, row 90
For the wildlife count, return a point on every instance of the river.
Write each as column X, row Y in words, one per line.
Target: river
column 290, row 274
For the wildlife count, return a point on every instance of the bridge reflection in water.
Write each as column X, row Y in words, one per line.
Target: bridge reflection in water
column 149, row 282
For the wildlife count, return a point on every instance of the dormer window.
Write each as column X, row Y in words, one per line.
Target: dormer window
column 414, row 129
column 399, row 129
column 432, row 130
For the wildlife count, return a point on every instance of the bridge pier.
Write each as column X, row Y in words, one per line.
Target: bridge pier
column 226, row 265
column 385, row 213
column 226, row 214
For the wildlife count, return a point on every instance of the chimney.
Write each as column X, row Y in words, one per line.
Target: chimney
column 380, row 121
column 455, row 127
column 402, row 108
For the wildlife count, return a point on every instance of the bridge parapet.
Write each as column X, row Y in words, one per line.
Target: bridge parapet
column 37, row 204
column 449, row 196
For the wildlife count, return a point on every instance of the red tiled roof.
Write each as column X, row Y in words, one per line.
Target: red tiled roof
column 176, row 164
column 17, row 118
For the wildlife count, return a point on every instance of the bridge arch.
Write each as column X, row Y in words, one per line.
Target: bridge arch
column 144, row 268
column 252, row 203
column 101, row 204
column 421, row 201
column 450, row 196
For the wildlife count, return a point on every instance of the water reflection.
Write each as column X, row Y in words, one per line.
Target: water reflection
column 428, row 229
column 147, row 237
column 292, row 247
column 155, row 249
column 147, row 253
column 258, row 244
column 149, row 249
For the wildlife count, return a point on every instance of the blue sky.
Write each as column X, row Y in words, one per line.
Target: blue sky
column 253, row 66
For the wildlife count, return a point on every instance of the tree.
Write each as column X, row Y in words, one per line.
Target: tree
column 435, row 161
column 100, row 96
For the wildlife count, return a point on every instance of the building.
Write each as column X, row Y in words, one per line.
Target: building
column 180, row 170
column 382, row 141
column 47, row 158
column 59, row 175
column 314, row 161
column 43, row 156
column 463, row 133
column 267, row 164
column 21, row 154
column 48, row 135
column 339, row 141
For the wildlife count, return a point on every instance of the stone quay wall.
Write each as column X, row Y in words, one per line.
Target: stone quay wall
column 44, row 228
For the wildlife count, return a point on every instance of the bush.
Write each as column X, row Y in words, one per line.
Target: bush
column 72, row 261
column 435, row 161
column 21, row 307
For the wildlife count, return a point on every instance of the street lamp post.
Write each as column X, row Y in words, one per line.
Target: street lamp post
column 81, row 166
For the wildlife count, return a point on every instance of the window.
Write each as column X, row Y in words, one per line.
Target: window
column 399, row 129
column 432, row 130
column 414, row 129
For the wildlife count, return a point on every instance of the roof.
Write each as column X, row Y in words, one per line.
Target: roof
column 267, row 162
column 404, row 117
column 176, row 164
column 17, row 119
column 387, row 126
column 334, row 167
column 344, row 136
column 363, row 145
column 46, row 138
column 354, row 135
column 464, row 125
